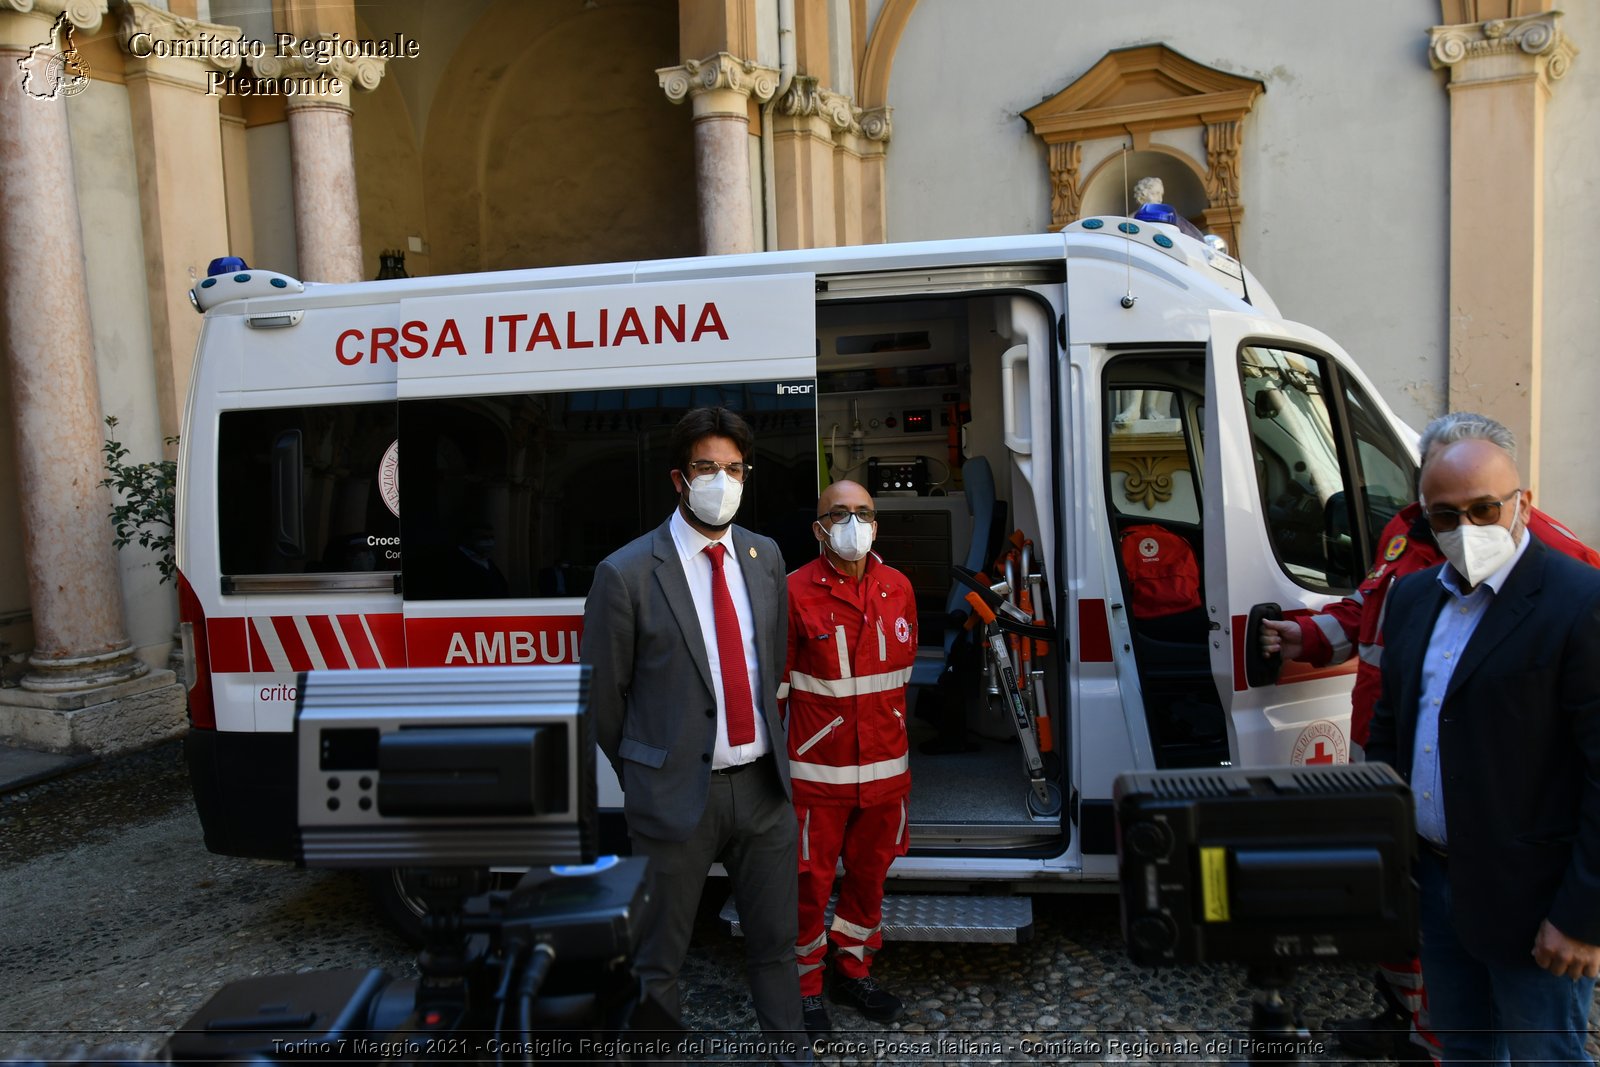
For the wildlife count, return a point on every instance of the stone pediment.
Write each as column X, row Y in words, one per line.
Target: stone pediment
column 1140, row 89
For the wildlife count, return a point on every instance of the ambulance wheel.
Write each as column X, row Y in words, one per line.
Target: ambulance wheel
column 1049, row 807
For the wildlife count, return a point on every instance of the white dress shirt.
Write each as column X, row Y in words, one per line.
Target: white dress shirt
column 691, row 545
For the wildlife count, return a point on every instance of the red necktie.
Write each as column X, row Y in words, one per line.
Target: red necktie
column 730, row 651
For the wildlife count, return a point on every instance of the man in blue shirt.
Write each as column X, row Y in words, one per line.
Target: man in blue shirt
column 1490, row 709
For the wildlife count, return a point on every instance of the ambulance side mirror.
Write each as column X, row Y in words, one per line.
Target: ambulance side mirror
column 1260, row 670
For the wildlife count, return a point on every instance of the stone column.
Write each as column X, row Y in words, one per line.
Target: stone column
column 877, row 127
column 182, row 196
column 1501, row 75
column 720, row 89
column 811, row 126
column 74, row 590
column 327, row 214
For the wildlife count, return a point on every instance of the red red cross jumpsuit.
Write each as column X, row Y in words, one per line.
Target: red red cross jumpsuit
column 851, row 647
column 1354, row 625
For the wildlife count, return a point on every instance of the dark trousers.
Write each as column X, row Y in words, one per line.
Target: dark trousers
column 1494, row 1012
column 748, row 826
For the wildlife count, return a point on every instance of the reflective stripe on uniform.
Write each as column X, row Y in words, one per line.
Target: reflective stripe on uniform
column 844, row 651
column 1336, row 636
column 850, row 929
column 865, row 685
column 1371, row 655
column 883, row 644
column 1383, row 610
column 807, row 949
column 871, row 772
column 900, row 831
column 805, row 838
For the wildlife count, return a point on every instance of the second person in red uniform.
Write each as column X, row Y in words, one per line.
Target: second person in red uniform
column 852, row 641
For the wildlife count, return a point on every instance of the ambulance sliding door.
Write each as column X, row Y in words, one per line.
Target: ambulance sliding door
column 1302, row 470
column 536, row 442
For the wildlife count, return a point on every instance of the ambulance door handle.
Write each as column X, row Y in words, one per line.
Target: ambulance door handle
column 287, row 494
column 1018, row 440
column 1260, row 670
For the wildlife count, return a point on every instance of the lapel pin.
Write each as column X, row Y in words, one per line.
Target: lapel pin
column 752, row 551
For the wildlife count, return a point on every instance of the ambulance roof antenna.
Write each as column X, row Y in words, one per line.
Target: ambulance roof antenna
column 1238, row 254
column 1127, row 297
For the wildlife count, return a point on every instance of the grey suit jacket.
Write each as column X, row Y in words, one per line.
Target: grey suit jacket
column 652, row 699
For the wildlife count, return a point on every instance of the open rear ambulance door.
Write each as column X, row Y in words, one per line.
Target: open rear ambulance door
column 1302, row 468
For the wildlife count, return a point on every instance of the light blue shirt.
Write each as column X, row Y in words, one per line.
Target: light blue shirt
column 1454, row 628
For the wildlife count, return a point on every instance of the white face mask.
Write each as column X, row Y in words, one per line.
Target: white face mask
column 850, row 540
column 714, row 498
column 1478, row 551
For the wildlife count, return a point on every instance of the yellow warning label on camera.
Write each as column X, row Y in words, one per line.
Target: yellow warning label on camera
column 1214, row 884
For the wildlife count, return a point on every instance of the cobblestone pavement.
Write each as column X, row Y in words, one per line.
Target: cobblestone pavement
column 117, row 925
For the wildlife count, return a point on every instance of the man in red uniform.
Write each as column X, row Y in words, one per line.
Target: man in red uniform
column 1354, row 626
column 852, row 641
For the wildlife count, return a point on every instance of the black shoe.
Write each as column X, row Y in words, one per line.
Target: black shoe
column 865, row 995
column 816, row 1015
column 1381, row 1037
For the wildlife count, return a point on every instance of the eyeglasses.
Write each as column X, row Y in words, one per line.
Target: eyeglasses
column 1483, row 513
column 700, row 468
column 839, row 516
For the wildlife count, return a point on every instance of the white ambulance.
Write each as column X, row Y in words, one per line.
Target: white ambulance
column 425, row 472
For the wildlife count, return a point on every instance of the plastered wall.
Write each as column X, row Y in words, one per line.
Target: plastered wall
column 1344, row 166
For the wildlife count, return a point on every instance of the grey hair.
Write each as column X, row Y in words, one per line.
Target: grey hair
column 1466, row 426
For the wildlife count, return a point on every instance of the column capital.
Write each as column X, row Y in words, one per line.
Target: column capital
column 84, row 15
column 719, row 73
column 313, row 71
column 1503, row 49
column 806, row 98
column 194, row 49
column 877, row 123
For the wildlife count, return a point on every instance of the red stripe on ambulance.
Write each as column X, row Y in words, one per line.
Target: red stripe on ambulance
column 228, row 645
column 355, row 635
column 266, row 644
column 327, row 639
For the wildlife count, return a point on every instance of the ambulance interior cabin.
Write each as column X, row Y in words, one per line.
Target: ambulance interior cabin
column 908, row 404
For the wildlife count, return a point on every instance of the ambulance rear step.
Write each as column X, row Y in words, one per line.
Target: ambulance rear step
column 1001, row 920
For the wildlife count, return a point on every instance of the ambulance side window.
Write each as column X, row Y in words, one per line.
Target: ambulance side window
column 1152, row 475
column 1303, row 490
column 302, row 490
column 1384, row 469
column 523, row 494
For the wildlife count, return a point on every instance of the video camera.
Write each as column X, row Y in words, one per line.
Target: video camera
column 1270, row 867
column 453, row 771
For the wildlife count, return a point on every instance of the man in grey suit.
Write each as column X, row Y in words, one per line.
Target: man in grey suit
column 685, row 629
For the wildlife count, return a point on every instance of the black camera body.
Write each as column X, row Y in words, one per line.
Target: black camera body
column 588, row 920
column 447, row 773
column 1268, row 866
